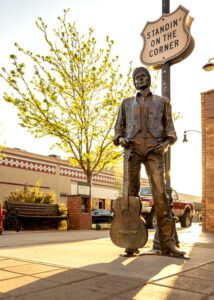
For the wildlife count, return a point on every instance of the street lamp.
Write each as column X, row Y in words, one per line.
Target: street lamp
column 209, row 66
column 185, row 140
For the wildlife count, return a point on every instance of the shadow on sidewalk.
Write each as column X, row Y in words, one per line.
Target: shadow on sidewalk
column 35, row 281
column 142, row 277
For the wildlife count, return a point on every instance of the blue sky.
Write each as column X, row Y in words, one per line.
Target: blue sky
column 123, row 21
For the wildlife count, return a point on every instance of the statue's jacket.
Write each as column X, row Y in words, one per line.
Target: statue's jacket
column 158, row 119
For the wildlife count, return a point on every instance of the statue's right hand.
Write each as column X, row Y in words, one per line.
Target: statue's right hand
column 123, row 142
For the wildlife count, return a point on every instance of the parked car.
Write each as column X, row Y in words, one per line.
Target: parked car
column 183, row 210
column 101, row 216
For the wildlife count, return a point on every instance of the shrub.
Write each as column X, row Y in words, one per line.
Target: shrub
column 62, row 209
column 32, row 195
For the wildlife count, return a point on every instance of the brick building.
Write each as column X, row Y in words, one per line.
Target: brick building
column 21, row 168
column 207, row 108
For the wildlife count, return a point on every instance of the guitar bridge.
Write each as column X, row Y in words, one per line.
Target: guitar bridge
column 127, row 232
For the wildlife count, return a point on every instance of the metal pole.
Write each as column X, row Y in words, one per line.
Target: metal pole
column 166, row 93
column 165, row 78
column 165, row 6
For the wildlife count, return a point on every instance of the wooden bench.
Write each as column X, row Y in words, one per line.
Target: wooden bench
column 19, row 211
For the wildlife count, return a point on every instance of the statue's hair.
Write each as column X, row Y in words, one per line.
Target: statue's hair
column 136, row 70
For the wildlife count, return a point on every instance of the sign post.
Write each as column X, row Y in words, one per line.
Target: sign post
column 167, row 41
column 165, row 79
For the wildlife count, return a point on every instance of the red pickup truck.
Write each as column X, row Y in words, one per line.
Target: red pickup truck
column 183, row 210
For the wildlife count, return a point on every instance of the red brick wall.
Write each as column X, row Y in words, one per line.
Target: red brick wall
column 207, row 105
column 78, row 219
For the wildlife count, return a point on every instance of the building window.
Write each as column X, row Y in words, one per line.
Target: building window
column 63, row 195
column 85, row 205
column 102, row 203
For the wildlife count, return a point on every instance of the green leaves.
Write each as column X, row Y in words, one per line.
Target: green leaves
column 12, row 56
column 71, row 92
column 32, row 195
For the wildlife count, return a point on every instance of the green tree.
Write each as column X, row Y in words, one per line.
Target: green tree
column 73, row 93
column 2, row 155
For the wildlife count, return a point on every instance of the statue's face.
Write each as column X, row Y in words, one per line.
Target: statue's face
column 141, row 80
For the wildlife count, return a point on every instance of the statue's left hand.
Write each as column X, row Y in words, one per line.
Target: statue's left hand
column 162, row 148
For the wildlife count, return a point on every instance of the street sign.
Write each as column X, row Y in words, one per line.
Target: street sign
column 167, row 39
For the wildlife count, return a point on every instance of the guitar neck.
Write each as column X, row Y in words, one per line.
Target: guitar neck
column 125, row 180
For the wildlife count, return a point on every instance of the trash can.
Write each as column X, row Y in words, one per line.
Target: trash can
column 1, row 218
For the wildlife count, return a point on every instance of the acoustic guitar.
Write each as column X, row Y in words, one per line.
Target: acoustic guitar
column 128, row 229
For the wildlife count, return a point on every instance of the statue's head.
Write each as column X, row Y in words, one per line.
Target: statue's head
column 141, row 78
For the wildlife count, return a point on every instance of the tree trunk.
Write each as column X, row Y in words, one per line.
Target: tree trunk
column 89, row 180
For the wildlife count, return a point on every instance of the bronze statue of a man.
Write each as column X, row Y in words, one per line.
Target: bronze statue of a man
column 145, row 124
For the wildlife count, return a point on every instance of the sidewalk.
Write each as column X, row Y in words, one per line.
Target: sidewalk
column 86, row 265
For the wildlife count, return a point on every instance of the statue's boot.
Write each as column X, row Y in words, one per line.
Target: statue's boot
column 172, row 250
column 130, row 252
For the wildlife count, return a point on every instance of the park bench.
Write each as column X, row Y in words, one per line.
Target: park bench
column 17, row 212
